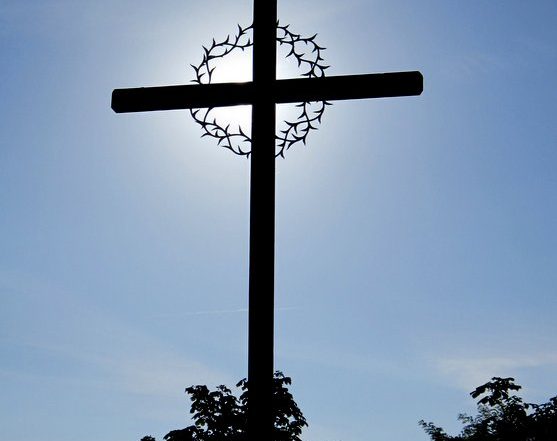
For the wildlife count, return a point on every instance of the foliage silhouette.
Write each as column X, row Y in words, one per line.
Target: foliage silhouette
column 502, row 417
column 219, row 415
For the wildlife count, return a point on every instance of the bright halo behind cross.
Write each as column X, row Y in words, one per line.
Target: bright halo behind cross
column 234, row 68
column 230, row 61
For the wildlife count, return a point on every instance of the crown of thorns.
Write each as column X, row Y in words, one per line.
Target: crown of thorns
column 307, row 54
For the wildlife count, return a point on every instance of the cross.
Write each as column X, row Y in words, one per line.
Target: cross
column 263, row 93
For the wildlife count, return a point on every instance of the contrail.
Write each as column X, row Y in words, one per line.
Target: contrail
column 225, row 311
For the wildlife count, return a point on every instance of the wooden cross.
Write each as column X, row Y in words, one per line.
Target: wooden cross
column 263, row 93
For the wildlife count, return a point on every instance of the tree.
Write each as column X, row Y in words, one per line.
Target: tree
column 219, row 415
column 502, row 416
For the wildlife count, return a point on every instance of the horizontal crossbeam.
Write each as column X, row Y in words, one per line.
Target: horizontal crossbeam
column 297, row 90
column 349, row 87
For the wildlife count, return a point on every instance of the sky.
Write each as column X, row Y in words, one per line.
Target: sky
column 416, row 245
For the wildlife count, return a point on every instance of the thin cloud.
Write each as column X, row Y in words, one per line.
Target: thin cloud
column 469, row 372
column 118, row 355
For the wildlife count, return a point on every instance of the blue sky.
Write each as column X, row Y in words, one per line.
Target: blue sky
column 415, row 237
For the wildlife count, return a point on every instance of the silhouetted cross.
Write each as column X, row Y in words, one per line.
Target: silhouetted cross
column 263, row 93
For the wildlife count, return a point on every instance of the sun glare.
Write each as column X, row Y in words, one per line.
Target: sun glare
column 236, row 67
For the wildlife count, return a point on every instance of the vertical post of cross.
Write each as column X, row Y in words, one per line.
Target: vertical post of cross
column 262, row 225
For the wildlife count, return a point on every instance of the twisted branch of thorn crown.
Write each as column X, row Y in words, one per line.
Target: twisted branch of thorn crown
column 307, row 54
